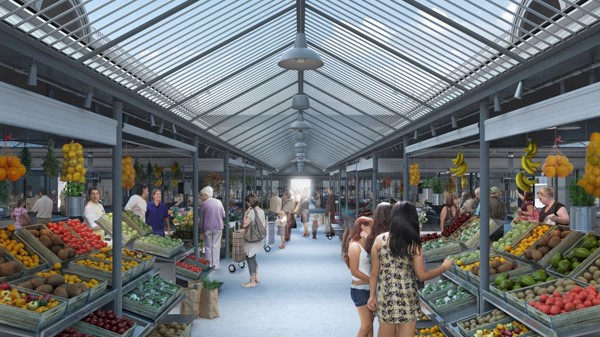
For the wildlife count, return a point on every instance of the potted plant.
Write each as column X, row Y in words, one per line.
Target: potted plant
column 74, row 199
column 426, row 189
column 583, row 210
column 437, row 185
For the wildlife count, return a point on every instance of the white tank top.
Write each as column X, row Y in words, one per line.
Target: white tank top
column 364, row 262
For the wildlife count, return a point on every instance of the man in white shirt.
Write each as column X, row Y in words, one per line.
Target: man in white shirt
column 275, row 203
column 137, row 203
column 43, row 207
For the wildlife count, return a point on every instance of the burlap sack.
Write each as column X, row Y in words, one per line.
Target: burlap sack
column 209, row 303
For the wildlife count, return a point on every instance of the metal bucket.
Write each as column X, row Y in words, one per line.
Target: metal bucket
column 437, row 199
column 74, row 206
column 427, row 193
column 583, row 219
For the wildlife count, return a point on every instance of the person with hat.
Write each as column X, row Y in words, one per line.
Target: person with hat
column 496, row 203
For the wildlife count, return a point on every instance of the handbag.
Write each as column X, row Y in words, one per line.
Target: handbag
column 255, row 231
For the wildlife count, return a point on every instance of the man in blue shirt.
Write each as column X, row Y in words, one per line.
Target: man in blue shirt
column 157, row 214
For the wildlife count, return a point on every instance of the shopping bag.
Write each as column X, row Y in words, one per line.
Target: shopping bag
column 190, row 303
column 209, row 303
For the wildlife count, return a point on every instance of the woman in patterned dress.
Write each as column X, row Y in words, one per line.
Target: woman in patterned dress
column 396, row 264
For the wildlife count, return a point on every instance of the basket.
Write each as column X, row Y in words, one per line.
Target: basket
column 148, row 311
column 26, row 236
column 73, row 303
column 131, row 223
column 156, row 250
column 31, row 320
column 96, row 331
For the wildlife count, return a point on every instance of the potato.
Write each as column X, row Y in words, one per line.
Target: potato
column 596, row 275
column 560, row 289
column 582, row 279
column 587, row 276
column 597, row 262
column 569, row 287
column 570, row 283
column 593, row 269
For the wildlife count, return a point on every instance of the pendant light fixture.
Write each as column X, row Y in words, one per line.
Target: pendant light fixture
column 300, row 123
column 300, row 57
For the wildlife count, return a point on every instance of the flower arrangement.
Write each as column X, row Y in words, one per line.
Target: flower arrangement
column 182, row 217
column 213, row 179
column 386, row 182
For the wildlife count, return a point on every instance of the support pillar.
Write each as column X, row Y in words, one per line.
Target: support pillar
column 117, row 278
column 484, row 209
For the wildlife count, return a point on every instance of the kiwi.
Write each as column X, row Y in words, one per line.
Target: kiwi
column 493, row 271
column 527, row 253
column 55, row 280
column 6, row 269
column 554, row 241
column 555, row 232
column 496, row 264
column 46, row 241
column 55, row 249
column 3, row 259
column 63, row 254
column 56, row 240
column 564, row 234
column 38, row 282
column 61, row 292
column 45, row 232
column 544, row 240
column 544, row 250
column 82, row 286
column 45, row 288
column 26, row 285
column 34, row 233
column 73, row 290
column 71, row 252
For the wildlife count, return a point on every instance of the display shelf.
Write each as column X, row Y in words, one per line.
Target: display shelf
column 142, row 331
column 203, row 274
column 470, row 287
column 146, row 320
column 134, row 282
column 441, row 323
column 177, row 257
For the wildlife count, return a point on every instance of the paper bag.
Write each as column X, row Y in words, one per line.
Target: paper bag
column 190, row 304
column 209, row 303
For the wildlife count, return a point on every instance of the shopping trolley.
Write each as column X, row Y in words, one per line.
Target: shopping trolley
column 270, row 238
column 237, row 248
column 329, row 231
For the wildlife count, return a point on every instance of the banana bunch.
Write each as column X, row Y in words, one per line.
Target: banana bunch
column 158, row 175
column 523, row 182
column 461, row 165
column 176, row 173
column 414, row 174
column 464, row 182
column 529, row 166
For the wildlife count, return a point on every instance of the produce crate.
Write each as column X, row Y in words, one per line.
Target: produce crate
column 579, row 318
column 29, row 249
column 473, row 240
column 579, row 269
column 491, row 326
column 469, row 300
column 187, row 273
column 96, row 331
column 147, row 263
column 73, row 303
column 131, row 223
column 585, row 265
column 511, row 296
column 201, row 265
column 95, row 292
column 186, row 333
column 18, row 274
column 451, row 248
column 519, row 238
column 438, row 293
column 36, row 244
column 469, row 333
column 522, row 269
column 148, row 311
column 568, row 241
column 456, row 234
column 137, row 270
column 31, row 320
column 160, row 251
column 97, row 273
column 527, row 234
column 106, row 224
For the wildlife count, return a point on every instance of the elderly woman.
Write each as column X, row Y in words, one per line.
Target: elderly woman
column 210, row 222
column 553, row 211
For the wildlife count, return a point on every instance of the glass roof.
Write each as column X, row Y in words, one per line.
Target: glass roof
column 387, row 64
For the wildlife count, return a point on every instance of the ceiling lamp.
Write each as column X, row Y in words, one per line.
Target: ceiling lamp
column 300, row 123
column 300, row 147
column 300, row 57
column 301, row 136
column 300, row 102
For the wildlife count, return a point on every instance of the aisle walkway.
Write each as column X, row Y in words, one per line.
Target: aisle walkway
column 304, row 291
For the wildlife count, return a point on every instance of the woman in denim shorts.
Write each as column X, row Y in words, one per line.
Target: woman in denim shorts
column 360, row 266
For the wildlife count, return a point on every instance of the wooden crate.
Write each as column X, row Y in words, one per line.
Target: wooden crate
column 186, row 333
column 452, row 306
column 106, row 224
column 147, row 311
column 451, row 248
column 95, row 292
column 31, row 320
column 437, row 294
column 137, row 270
column 568, row 241
column 44, row 251
column 511, row 297
column 572, row 318
column 527, row 234
column 16, row 275
column 73, row 303
column 473, row 240
column 566, row 250
column 160, row 251
column 131, row 223
column 522, row 268
column 469, row 333
column 43, row 264
column 455, row 235
column 96, row 273
column 583, row 267
column 96, row 331
column 493, row 325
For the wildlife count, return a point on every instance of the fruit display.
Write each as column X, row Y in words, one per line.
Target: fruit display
column 8, row 267
column 571, row 259
column 460, row 220
column 51, row 241
column 436, row 244
column 103, row 262
column 575, row 299
column 11, row 168
column 72, row 169
column 545, row 288
column 158, row 245
column 471, row 231
column 458, row 231
column 434, row 331
column 504, row 282
column 13, row 297
column 86, row 233
column 414, row 174
column 69, row 332
column 168, row 330
column 16, row 248
column 557, row 166
column 510, row 237
column 479, row 321
column 534, row 234
column 590, row 181
column 526, row 160
column 136, row 223
column 104, row 319
column 192, row 267
column 429, row 237
column 461, row 166
column 436, row 287
column 57, row 285
column 466, row 257
column 200, row 260
column 71, row 239
column 128, row 173
column 513, row 328
column 453, row 296
column 546, row 243
column 128, row 233
column 591, row 275
column 498, row 264
column 69, row 278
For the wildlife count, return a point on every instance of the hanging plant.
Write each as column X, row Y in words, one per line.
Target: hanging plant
column 139, row 169
column 4, row 192
column 50, row 164
column 26, row 159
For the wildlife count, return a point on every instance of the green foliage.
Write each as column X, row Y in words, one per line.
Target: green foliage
column 25, row 157
column 578, row 196
column 50, row 163
column 4, row 192
column 437, row 185
column 73, row 189
column 210, row 284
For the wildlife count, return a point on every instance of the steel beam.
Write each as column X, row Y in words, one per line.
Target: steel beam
column 117, row 235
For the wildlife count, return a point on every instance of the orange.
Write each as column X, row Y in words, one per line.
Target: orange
column 2, row 173
column 562, row 171
column 549, row 171
column 14, row 161
column 22, row 170
column 57, row 266
column 13, row 174
column 570, row 167
column 3, row 161
column 551, row 160
column 563, row 160
column 595, row 137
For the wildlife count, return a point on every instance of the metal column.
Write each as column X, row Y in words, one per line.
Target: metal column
column 375, row 198
column 226, row 198
column 117, row 276
column 356, row 184
column 263, row 190
column 346, row 195
column 195, row 188
column 244, row 186
column 484, row 208
column 406, row 181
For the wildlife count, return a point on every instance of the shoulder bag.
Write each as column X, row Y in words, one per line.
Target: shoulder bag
column 255, row 231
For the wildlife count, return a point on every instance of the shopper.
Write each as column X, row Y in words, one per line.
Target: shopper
column 287, row 205
column 467, row 204
column 210, row 223
column 527, row 210
column 381, row 223
column 157, row 214
column 253, row 213
column 496, row 203
column 304, row 213
column 464, row 196
column 476, row 201
column 330, row 208
column 449, row 211
column 553, row 211
column 275, row 203
column 94, row 210
column 315, row 226
column 19, row 214
column 43, row 207
column 360, row 267
column 138, row 203
column 281, row 223
column 396, row 264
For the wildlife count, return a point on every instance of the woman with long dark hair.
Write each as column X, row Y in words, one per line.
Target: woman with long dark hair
column 381, row 223
column 449, row 211
column 396, row 264
column 360, row 267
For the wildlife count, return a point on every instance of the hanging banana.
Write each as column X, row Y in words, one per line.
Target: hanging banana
column 461, row 165
column 459, row 159
column 526, row 160
column 523, row 183
column 464, row 182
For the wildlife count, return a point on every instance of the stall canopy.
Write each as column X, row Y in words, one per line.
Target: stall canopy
column 390, row 67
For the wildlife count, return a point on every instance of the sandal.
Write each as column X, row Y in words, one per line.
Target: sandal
column 281, row 247
column 249, row 284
